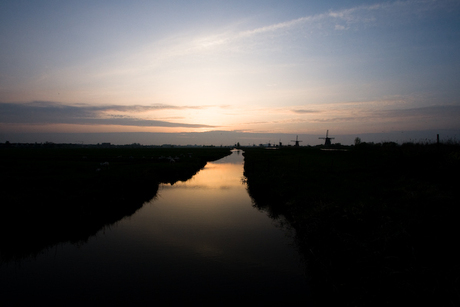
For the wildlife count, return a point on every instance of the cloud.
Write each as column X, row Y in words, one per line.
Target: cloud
column 181, row 46
column 305, row 111
column 441, row 114
column 141, row 108
column 339, row 20
column 138, row 68
column 44, row 112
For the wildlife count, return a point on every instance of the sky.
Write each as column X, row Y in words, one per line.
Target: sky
column 284, row 68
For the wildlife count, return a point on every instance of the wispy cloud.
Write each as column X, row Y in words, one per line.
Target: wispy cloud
column 302, row 111
column 140, row 108
column 184, row 45
column 334, row 20
column 441, row 114
column 43, row 112
column 139, row 68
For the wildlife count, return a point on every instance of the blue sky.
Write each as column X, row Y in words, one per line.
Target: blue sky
column 287, row 67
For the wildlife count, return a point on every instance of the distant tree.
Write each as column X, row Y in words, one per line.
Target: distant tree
column 357, row 141
column 238, row 144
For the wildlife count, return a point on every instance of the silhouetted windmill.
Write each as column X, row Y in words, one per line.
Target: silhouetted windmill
column 296, row 141
column 327, row 139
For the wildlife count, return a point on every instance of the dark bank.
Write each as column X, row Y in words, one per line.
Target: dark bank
column 377, row 223
column 57, row 193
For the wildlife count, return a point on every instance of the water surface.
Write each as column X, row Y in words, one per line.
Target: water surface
column 198, row 241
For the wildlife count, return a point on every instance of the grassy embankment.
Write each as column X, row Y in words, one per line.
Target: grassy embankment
column 377, row 223
column 52, row 195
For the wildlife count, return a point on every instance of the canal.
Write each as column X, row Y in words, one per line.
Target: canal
column 201, row 241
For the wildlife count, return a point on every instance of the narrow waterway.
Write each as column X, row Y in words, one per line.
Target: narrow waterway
column 199, row 241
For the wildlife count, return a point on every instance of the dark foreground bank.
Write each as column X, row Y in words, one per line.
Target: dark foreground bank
column 53, row 195
column 377, row 224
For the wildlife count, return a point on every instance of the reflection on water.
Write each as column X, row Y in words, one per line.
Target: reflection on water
column 198, row 241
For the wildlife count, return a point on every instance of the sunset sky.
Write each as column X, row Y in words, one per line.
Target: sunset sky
column 280, row 67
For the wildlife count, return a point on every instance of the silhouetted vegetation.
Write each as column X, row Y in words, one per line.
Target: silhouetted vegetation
column 377, row 223
column 52, row 194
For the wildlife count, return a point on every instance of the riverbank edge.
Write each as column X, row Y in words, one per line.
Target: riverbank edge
column 376, row 224
column 51, row 196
